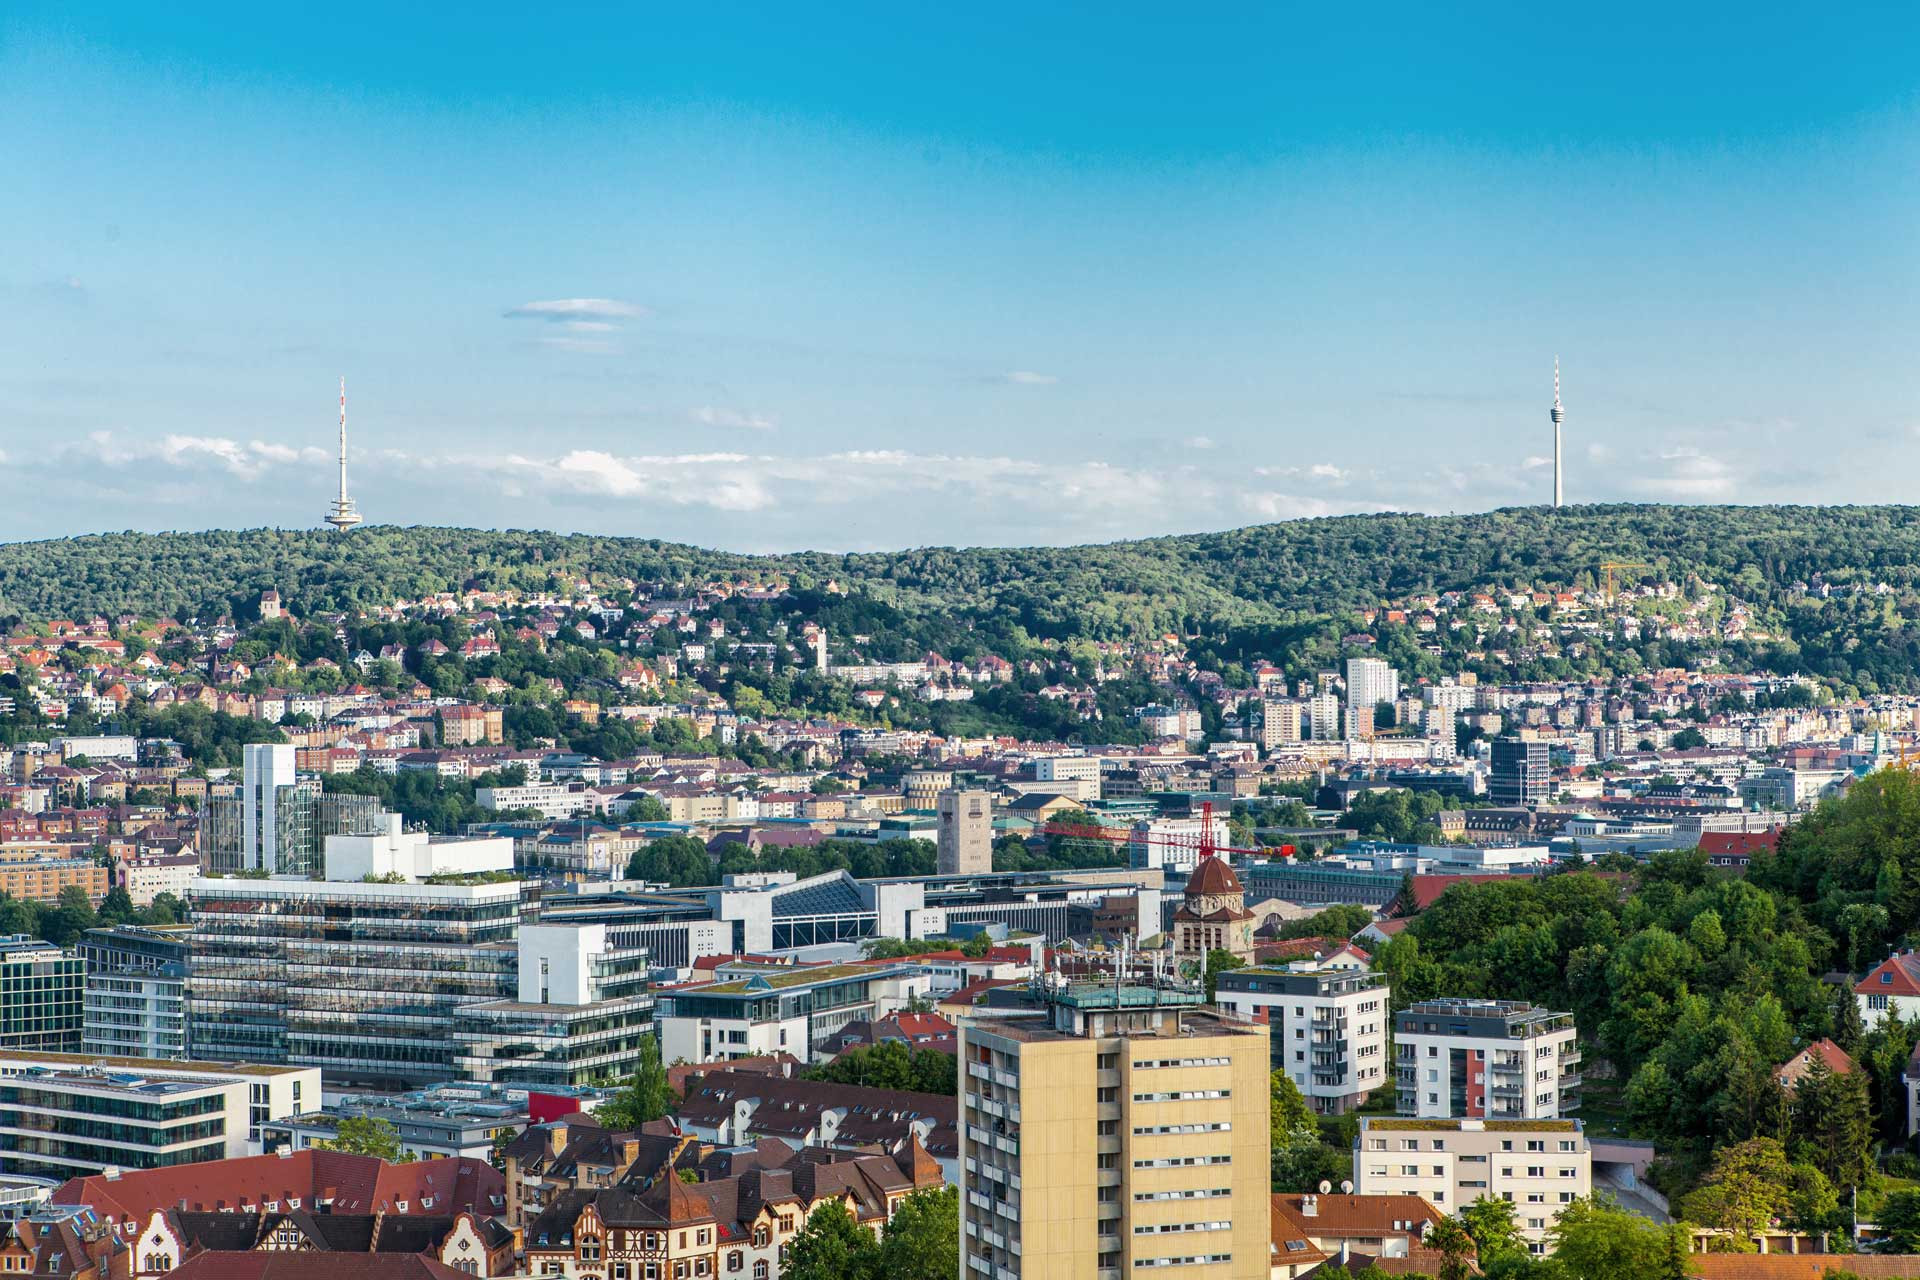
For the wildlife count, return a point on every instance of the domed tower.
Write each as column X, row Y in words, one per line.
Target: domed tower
column 1214, row 915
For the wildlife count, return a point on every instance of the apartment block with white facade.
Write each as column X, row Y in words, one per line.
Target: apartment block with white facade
column 1327, row 1027
column 1485, row 1059
column 1537, row 1166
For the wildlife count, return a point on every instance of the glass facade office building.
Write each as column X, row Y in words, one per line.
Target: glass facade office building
column 362, row 980
column 42, row 994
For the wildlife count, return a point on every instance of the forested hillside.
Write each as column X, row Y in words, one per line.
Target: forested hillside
column 1249, row 589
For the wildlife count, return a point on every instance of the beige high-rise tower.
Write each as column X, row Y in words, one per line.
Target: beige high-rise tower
column 966, row 833
column 1122, row 1133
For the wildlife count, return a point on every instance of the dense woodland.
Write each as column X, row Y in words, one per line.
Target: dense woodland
column 1281, row 588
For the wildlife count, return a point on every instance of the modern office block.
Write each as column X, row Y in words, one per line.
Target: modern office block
column 69, row 1115
column 359, row 979
column 42, row 996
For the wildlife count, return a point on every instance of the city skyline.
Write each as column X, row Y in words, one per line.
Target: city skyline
column 876, row 285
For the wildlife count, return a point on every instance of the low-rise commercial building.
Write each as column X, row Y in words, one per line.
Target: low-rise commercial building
column 68, row 1115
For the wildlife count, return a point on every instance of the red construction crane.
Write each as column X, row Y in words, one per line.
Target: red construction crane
column 1203, row 842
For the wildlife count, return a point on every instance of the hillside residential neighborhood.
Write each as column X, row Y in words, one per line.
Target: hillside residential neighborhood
column 627, row 927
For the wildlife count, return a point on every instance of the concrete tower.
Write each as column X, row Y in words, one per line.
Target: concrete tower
column 343, row 515
column 1558, row 415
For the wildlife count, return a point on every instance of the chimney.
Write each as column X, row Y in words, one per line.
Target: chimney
column 1309, row 1206
column 629, row 1152
column 556, row 1138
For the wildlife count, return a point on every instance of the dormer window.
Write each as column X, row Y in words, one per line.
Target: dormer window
column 1887, row 978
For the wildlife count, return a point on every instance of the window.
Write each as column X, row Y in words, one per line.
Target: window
column 736, row 1260
column 760, row 1269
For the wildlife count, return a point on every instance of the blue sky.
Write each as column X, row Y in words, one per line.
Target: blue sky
column 869, row 277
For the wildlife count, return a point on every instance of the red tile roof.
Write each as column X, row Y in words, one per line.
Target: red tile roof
column 1373, row 1215
column 1802, row 1062
column 1897, row 975
column 353, row 1184
column 1738, row 843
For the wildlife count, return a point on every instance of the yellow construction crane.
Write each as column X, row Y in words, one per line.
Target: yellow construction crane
column 1608, row 566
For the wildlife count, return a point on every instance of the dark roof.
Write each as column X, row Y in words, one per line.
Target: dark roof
column 312, row 1266
column 791, row 1108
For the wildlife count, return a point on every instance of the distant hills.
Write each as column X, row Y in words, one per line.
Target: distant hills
column 1263, row 579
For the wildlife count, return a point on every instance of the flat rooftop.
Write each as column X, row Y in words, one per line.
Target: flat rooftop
column 1388, row 1124
column 786, row 977
column 19, row 1059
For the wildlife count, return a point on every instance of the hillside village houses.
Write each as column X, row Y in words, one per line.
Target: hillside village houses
column 581, row 898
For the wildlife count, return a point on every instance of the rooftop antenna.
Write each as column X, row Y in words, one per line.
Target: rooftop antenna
column 343, row 515
column 1558, row 414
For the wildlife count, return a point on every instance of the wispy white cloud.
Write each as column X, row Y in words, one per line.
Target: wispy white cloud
column 561, row 310
column 1325, row 473
column 1199, row 442
column 1028, row 378
column 1536, row 461
column 1686, row 473
column 246, row 459
column 709, row 416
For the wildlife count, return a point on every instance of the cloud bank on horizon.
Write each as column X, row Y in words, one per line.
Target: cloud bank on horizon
column 877, row 284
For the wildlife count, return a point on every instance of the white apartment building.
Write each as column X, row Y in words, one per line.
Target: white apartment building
column 1485, row 1059
column 1370, row 682
column 1537, row 1166
column 1451, row 698
column 1326, row 1023
column 1066, row 768
column 549, row 799
column 1323, row 715
column 146, row 876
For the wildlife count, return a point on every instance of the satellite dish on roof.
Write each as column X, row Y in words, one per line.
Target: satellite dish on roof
column 1325, row 1186
column 1346, row 1186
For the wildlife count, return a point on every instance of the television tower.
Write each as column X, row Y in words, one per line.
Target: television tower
column 1558, row 415
column 343, row 516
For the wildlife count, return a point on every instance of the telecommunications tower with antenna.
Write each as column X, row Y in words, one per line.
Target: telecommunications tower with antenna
column 343, row 515
column 1558, row 415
